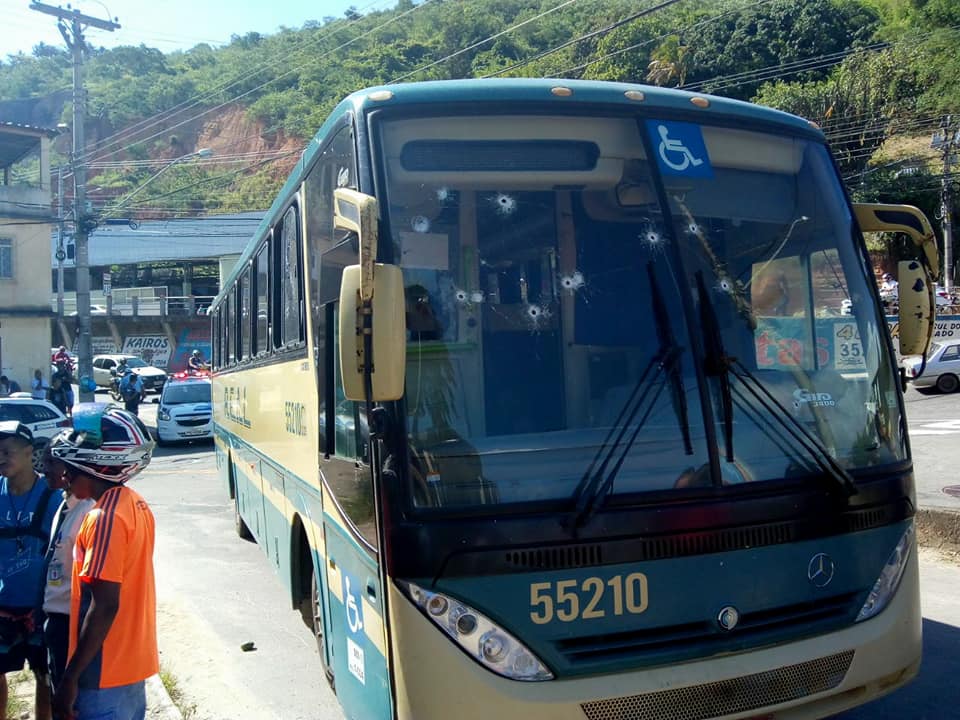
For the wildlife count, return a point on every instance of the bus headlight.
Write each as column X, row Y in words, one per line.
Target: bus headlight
column 164, row 414
column 889, row 579
column 484, row 641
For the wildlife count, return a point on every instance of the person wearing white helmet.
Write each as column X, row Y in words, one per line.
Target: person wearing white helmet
column 113, row 637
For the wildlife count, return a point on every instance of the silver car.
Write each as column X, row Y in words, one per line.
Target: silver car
column 942, row 371
column 153, row 378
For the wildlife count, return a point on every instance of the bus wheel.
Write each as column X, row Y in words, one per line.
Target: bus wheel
column 317, row 617
column 242, row 530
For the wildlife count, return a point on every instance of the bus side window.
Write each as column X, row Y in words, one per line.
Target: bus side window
column 245, row 325
column 286, row 293
column 262, row 288
column 228, row 331
column 349, row 474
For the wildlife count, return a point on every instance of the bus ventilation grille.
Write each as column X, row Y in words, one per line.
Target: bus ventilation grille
column 726, row 697
column 555, row 558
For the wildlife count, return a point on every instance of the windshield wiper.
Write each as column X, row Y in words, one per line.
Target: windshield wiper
column 716, row 362
column 596, row 481
column 723, row 366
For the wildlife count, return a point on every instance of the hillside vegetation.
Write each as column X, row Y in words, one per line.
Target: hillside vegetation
column 867, row 70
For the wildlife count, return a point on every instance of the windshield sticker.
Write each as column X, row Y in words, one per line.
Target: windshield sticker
column 680, row 148
column 803, row 397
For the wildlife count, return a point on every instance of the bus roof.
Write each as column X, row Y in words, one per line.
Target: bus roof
column 501, row 91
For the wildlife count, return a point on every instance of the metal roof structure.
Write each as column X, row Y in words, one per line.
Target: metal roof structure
column 125, row 243
column 18, row 140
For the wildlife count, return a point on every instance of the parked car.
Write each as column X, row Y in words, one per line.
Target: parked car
column 43, row 419
column 153, row 378
column 185, row 411
column 942, row 371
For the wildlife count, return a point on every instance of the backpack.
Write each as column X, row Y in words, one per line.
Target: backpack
column 128, row 389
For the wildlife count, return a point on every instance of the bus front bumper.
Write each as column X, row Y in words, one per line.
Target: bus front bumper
column 435, row 679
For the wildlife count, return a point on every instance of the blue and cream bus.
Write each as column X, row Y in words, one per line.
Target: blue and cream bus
column 538, row 396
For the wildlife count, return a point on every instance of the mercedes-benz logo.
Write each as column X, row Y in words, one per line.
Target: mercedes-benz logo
column 728, row 618
column 820, row 570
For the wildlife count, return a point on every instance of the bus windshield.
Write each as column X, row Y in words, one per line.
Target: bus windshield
column 580, row 313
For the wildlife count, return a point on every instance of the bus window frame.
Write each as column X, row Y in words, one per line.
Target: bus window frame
column 247, row 327
column 261, row 269
column 290, row 213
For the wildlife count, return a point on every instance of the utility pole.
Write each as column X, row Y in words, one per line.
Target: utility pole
column 61, row 253
column 945, row 140
column 83, row 221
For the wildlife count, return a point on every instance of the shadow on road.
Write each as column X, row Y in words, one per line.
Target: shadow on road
column 934, row 694
column 192, row 447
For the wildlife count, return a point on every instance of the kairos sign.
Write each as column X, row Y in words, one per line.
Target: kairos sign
column 152, row 349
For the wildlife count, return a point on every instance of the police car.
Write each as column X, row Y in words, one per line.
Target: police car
column 185, row 412
column 43, row 418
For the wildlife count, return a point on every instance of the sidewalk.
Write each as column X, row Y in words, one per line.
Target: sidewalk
column 20, row 704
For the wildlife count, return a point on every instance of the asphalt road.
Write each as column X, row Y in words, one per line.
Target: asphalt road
column 217, row 592
column 934, row 424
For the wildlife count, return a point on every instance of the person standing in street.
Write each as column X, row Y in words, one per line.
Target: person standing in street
column 27, row 509
column 131, row 390
column 57, row 395
column 38, row 387
column 56, row 596
column 113, row 623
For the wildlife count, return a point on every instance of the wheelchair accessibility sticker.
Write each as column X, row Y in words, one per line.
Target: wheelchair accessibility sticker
column 354, row 609
column 680, row 148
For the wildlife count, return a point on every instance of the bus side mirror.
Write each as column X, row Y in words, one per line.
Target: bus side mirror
column 905, row 219
column 356, row 212
column 387, row 309
column 917, row 306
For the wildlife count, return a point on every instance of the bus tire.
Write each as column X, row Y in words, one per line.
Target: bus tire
column 243, row 532
column 316, row 622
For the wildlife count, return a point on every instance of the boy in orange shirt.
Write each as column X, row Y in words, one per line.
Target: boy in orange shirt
column 113, row 635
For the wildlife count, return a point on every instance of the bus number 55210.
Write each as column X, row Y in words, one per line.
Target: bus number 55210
column 588, row 599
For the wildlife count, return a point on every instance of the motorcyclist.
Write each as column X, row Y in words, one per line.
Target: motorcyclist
column 196, row 363
column 63, row 362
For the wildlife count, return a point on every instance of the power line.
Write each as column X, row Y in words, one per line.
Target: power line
column 587, row 36
column 477, row 44
column 198, row 99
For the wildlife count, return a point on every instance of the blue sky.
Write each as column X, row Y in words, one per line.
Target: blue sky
column 167, row 24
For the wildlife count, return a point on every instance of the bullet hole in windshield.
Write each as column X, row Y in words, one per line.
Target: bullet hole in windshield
column 420, row 224
column 505, row 204
column 467, row 298
column 651, row 236
column 572, row 282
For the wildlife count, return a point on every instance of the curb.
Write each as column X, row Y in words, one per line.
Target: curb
column 159, row 704
column 938, row 528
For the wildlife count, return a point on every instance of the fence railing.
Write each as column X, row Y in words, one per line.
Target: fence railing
column 171, row 305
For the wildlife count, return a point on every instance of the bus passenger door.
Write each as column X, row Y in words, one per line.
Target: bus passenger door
column 357, row 641
column 249, row 489
column 277, row 528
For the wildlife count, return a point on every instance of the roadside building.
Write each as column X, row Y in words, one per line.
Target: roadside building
column 26, row 220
